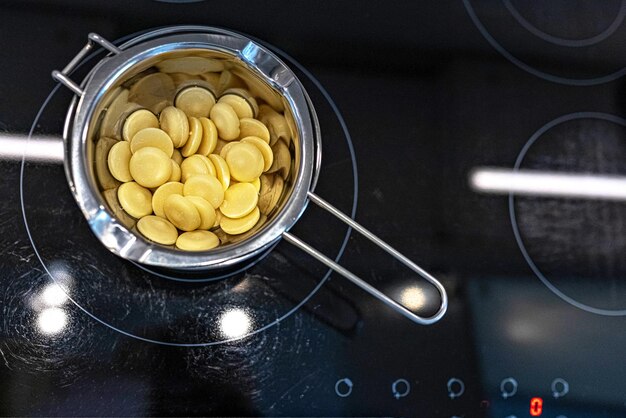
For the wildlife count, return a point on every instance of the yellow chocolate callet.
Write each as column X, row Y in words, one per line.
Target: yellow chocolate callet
column 176, row 172
column 150, row 167
column 175, row 123
column 177, row 156
column 212, row 79
column 181, row 212
column 110, row 196
column 266, row 150
column 126, row 111
column 266, row 192
column 162, row 193
column 240, row 105
column 252, row 231
column 154, row 91
column 228, row 80
column 157, row 229
column 197, row 241
column 222, row 171
column 208, row 163
column 152, row 137
column 190, row 65
column 272, row 186
column 196, row 164
column 226, row 121
column 246, row 95
column 195, row 137
column 207, row 187
column 227, row 148
column 276, row 123
column 240, row 225
column 253, row 127
column 218, row 218
column 223, row 236
column 245, row 162
column 206, row 211
column 159, row 106
column 109, row 125
column 138, row 120
column 135, row 200
column 197, row 82
column 239, row 200
column 219, row 146
column 195, row 101
column 256, row 183
column 291, row 123
column 118, row 160
column 261, row 89
column 181, row 78
column 106, row 180
column 209, row 136
column 282, row 160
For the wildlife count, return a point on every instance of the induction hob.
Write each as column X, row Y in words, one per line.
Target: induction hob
column 428, row 111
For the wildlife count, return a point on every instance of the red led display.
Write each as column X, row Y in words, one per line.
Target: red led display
column 536, row 407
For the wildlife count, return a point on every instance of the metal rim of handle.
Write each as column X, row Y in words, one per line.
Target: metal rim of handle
column 360, row 282
column 63, row 75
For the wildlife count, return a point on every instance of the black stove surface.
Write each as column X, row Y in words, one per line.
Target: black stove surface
column 418, row 102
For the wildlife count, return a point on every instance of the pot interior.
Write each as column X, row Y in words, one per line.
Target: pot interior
column 152, row 84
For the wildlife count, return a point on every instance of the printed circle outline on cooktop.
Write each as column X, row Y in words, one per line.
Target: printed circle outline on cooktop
column 560, row 41
column 354, row 172
column 513, row 216
column 592, row 81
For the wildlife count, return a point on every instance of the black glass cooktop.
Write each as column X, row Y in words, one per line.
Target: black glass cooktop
column 485, row 140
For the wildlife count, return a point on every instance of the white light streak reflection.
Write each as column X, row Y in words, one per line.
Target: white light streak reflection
column 546, row 183
column 52, row 295
column 412, row 297
column 522, row 331
column 51, row 321
column 51, row 318
column 235, row 323
column 38, row 149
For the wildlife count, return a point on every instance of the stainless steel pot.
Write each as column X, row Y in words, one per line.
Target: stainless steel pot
column 129, row 59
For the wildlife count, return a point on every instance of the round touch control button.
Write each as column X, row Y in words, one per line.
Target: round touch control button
column 343, row 387
column 508, row 387
column 559, row 388
column 400, row 388
column 456, row 388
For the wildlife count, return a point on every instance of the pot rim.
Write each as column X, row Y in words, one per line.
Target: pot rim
column 129, row 245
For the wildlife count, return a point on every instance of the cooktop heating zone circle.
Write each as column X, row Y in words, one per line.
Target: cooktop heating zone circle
column 565, row 49
column 566, row 241
column 181, row 310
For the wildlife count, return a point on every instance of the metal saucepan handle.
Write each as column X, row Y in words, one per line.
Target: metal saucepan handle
column 63, row 76
column 360, row 282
